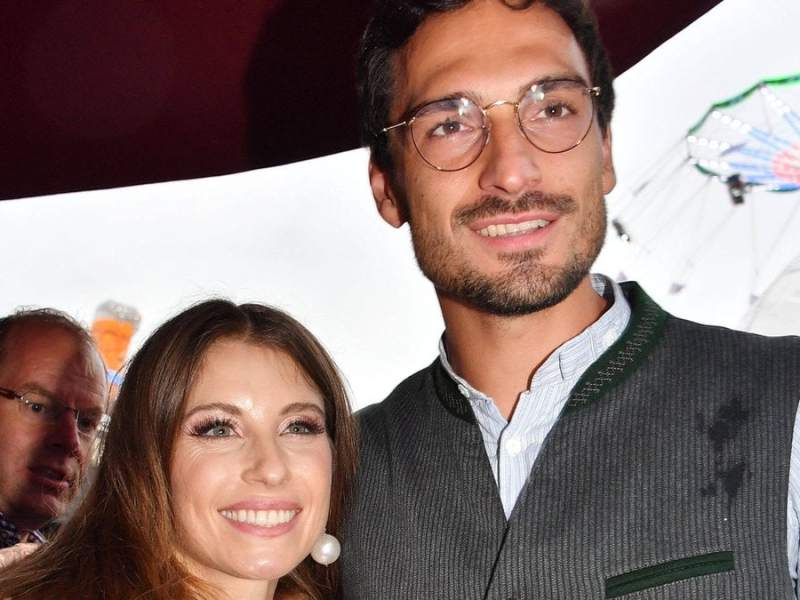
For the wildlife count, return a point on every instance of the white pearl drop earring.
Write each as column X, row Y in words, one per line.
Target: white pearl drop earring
column 326, row 549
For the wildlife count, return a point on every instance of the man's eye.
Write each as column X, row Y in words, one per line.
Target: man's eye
column 37, row 408
column 448, row 128
column 88, row 424
column 555, row 111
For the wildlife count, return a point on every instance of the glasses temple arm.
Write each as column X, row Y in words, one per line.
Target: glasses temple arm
column 395, row 126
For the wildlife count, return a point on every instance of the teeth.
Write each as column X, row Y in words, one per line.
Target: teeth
column 504, row 229
column 261, row 518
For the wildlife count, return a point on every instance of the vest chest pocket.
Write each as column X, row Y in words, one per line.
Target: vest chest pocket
column 668, row 572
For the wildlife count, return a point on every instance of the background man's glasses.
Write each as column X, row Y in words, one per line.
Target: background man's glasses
column 450, row 134
column 38, row 409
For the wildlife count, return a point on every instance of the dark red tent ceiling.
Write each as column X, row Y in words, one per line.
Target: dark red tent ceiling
column 100, row 94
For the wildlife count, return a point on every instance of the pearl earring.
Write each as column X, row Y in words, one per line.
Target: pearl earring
column 326, row 549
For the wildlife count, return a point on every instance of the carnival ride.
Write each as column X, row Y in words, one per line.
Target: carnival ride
column 727, row 193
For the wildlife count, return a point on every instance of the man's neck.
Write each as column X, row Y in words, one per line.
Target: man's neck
column 499, row 355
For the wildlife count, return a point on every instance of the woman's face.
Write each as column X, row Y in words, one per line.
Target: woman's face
column 251, row 469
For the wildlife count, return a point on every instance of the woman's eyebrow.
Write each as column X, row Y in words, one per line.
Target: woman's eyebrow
column 223, row 406
column 301, row 406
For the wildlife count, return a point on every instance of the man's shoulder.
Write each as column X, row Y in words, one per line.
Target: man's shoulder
column 408, row 393
column 694, row 332
column 735, row 355
column 733, row 337
column 403, row 410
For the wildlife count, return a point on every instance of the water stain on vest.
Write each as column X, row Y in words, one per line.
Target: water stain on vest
column 728, row 421
column 731, row 480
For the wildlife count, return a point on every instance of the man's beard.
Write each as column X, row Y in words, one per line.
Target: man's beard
column 526, row 286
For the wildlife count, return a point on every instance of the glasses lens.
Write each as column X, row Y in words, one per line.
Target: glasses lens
column 89, row 423
column 449, row 134
column 556, row 115
column 38, row 408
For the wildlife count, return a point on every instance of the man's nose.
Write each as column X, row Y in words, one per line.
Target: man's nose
column 64, row 432
column 511, row 162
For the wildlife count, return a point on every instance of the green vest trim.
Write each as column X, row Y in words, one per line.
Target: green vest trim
column 669, row 572
column 621, row 359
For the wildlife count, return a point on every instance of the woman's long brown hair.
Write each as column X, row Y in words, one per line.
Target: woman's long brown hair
column 121, row 542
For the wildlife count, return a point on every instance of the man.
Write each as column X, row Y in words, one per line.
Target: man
column 572, row 440
column 52, row 400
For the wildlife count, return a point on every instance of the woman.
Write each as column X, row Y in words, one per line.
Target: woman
column 229, row 454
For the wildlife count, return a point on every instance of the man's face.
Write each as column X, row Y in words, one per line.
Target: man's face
column 488, row 52
column 42, row 465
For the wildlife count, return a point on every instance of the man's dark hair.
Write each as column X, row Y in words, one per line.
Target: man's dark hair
column 395, row 21
column 42, row 317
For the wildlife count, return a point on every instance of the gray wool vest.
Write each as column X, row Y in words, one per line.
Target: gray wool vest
column 666, row 477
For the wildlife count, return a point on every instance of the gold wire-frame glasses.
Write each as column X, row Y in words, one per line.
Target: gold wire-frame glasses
column 450, row 133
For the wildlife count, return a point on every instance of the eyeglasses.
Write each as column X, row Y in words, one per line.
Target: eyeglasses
column 450, row 134
column 38, row 409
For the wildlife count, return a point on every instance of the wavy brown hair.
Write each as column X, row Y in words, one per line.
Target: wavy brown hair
column 121, row 543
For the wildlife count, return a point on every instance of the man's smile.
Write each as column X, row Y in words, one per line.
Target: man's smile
column 509, row 229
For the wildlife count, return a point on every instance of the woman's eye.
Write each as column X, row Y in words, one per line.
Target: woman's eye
column 304, row 427
column 214, row 429
column 220, row 431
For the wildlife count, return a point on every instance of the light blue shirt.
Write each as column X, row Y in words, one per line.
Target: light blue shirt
column 512, row 446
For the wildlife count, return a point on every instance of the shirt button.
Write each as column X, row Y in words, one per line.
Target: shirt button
column 514, row 446
column 464, row 391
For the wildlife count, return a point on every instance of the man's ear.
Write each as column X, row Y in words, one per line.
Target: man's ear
column 609, row 175
column 386, row 201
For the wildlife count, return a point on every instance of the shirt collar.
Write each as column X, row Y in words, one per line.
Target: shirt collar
column 10, row 535
column 574, row 355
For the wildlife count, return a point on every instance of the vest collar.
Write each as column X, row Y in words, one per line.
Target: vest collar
column 614, row 365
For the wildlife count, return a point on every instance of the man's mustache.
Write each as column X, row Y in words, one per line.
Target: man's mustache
column 489, row 206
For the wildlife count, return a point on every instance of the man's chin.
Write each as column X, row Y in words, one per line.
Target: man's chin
column 525, row 290
column 44, row 507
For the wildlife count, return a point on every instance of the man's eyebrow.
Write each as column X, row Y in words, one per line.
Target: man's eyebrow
column 35, row 387
column 480, row 100
column 301, row 406
column 556, row 77
column 231, row 409
column 453, row 96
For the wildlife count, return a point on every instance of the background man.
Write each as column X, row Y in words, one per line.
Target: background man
column 572, row 440
column 52, row 399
